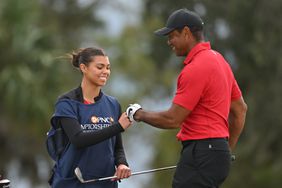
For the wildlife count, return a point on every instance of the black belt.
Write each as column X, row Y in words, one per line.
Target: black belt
column 209, row 143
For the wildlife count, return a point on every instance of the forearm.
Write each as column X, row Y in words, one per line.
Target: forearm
column 235, row 129
column 84, row 139
column 81, row 139
column 236, row 125
column 163, row 120
column 119, row 152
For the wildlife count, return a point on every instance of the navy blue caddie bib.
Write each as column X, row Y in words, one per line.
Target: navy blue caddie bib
column 94, row 161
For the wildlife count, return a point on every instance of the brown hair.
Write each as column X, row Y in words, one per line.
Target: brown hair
column 85, row 55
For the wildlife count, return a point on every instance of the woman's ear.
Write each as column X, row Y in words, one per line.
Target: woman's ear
column 82, row 67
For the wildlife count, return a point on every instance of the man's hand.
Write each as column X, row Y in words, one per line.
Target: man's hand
column 131, row 110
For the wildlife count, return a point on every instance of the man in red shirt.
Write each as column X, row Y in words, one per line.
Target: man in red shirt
column 208, row 106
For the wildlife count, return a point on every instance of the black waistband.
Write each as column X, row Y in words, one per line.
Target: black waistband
column 188, row 142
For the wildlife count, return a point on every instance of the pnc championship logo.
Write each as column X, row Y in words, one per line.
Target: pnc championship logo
column 98, row 123
column 95, row 119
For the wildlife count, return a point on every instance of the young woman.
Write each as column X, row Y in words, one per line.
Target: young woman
column 92, row 122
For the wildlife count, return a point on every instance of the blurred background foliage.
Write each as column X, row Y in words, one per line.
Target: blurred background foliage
column 35, row 36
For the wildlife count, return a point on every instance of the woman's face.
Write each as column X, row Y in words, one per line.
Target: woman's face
column 98, row 70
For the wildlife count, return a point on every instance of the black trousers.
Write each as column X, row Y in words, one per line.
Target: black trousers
column 203, row 164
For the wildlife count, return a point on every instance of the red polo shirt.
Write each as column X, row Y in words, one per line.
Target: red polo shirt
column 206, row 86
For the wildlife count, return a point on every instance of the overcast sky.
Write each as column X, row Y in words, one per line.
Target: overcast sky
column 119, row 13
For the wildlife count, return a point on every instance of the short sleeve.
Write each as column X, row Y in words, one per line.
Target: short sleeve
column 190, row 86
column 236, row 92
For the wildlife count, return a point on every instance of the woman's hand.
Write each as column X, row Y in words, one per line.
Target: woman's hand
column 122, row 172
column 124, row 121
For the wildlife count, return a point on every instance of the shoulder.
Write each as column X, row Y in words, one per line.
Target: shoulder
column 204, row 63
column 69, row 99
column 67, row 104
column 110, row 99
column 72, row 94
column 199, row 69
column 111, row 102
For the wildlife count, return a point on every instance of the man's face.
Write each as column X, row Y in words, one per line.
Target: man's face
column 178, row 41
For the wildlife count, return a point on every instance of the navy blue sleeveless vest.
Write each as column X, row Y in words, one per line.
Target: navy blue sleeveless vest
column 94, row 161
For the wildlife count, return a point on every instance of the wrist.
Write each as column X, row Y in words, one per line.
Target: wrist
column 121, row 128
column 138, row 115
column 132, row 110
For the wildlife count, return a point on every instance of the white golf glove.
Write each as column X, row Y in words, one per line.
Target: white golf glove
column 131, row 110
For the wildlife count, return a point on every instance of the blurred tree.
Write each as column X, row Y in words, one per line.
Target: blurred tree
column 33, row 37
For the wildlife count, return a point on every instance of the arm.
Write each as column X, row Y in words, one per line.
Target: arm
column 237, row 117
column 119, row 152
column 83, row 139
column 80, row 139
column 169, row 119
column 122, row 171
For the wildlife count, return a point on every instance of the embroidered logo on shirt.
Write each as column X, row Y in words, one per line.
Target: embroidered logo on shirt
column 94, row 119
column 98, row 123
